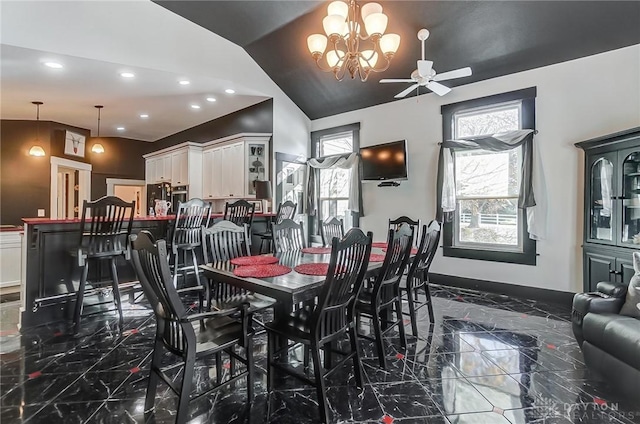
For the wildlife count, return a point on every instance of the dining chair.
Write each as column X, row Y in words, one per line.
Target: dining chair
column 239, row 212
column 288, row 236
column 418, row 276
column 104, row 228
column 286, row 210
column 222, row 242
column 188, row 337
column 415, row 226
column 381, row 300
column 332, row 227
column 186, row 238
column 329, row 320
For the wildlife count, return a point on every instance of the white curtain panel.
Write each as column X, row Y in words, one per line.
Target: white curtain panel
column 350, row 162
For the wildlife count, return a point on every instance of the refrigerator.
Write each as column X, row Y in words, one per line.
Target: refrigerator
column 159, row 191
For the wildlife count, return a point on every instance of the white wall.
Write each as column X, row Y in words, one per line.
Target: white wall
column 576, row 100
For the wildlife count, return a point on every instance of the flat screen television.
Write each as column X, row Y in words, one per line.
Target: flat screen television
column 384, row 162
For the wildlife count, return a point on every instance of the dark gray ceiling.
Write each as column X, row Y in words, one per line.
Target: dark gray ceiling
column 493, row 38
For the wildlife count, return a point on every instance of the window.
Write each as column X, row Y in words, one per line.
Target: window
column 487, row 222
column 332, row 191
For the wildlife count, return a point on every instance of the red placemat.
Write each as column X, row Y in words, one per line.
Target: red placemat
column 414, row 251
column 317, row 250
column 379, row 244
column 376, row 257
column 261, row 271
column 320, row 268
column 254, row 260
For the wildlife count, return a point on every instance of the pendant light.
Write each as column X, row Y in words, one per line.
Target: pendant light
column 98, row 148
column 36, row 149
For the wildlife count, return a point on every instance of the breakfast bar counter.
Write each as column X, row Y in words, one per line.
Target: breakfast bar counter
column 49, row 274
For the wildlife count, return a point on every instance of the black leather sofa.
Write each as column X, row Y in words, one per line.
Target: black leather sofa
column 610, row 342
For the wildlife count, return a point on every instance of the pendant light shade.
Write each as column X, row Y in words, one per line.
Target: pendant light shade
column 36, row 149
column 97, row 147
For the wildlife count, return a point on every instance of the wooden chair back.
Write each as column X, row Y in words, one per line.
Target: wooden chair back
column 332, row 227
column 286, row 210
column 105, row 226
column 239, row 212
column 288, row 236
column 187, row 228
column 225, row 240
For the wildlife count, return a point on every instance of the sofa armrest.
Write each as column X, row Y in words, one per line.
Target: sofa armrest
column 612, row 289
column 599, row 303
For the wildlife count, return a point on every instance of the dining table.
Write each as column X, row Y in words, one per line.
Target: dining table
column 289, row 289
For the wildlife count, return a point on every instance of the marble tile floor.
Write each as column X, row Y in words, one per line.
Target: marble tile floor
column 486, row 359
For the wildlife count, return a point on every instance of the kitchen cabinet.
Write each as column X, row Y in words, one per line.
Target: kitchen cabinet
column 612, row 207
column 180, row 168
column 230, row 166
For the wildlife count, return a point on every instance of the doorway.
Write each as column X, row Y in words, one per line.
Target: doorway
column 70, row 187
column 129, row 190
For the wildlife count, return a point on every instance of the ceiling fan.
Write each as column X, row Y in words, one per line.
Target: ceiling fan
column 426, row 76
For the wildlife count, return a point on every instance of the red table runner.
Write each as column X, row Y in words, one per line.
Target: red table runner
column 261, row 271
column 319, row 268
column 254, row 260
column 317, row 250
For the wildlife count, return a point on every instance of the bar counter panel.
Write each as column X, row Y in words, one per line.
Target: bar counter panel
column 50, row 270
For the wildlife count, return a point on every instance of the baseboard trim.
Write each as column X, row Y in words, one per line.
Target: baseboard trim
column 514, row 290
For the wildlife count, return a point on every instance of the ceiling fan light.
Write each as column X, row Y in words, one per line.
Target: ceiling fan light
column 370, row 8
column 335, row 59
column 338, row 8
column 333, row 24
column 376, row 23
column 317, row 43
column 389, row 43
column 36, row 151
column 368, row 59
column 97, row 148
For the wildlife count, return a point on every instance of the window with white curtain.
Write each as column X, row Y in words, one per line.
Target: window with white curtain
column 333, row 185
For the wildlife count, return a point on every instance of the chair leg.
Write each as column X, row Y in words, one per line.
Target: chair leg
column 218, row 367
column 156, row 359
column 357, row 363
column 201, row 295
column 319, row 380
column 427, row 291
column 185, row 391
column 412, row 312
column 328, row 355
column 250, row 369
column 80, row 298
column 403, row 335
column 379, row 342
column 270, row 352
column 176, row 260
column 116, row 292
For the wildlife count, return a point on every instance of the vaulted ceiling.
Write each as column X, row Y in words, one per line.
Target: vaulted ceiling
column 494, row 38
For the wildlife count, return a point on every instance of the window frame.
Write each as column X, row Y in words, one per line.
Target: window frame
column 528, row 254
column 316, row 136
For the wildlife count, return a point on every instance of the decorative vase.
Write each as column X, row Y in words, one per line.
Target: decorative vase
column 161, row 207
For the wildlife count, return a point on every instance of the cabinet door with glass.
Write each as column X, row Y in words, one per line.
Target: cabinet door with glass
column 630, row 184
column 601, row 225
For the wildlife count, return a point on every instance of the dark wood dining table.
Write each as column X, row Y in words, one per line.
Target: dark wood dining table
column 289, row 289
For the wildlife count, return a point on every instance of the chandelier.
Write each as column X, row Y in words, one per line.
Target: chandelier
column 343, row 36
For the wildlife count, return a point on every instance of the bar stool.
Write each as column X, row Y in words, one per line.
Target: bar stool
column 286, row 210
column 104, row 230
column 187, row 237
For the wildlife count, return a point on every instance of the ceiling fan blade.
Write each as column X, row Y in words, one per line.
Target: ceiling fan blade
column 395, row 80
column 438, row 88
column 407, row 91
column 458, row 73
column 424, row 67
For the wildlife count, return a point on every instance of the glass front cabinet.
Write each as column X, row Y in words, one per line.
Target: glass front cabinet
column 612, row 207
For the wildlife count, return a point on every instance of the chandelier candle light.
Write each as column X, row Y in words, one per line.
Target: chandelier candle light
column 343, row 35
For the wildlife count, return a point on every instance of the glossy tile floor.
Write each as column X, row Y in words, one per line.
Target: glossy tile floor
column 487, row 359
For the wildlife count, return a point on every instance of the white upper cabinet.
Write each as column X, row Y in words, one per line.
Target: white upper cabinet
column 180, row 168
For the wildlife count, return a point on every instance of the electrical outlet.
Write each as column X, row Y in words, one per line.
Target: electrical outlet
column 40, row 212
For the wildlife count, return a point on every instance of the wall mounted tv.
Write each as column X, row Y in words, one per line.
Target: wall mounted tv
column 384, row 162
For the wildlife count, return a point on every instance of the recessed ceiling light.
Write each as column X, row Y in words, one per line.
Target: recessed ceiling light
column 195, row 106
column 144, row 115
column 184, row 82
column 127, row 74
column 120, row 128
column 211, row 99
column 229, row 91
column 54, row 65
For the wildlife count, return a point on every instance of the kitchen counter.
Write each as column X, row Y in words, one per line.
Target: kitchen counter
column 50, row 276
